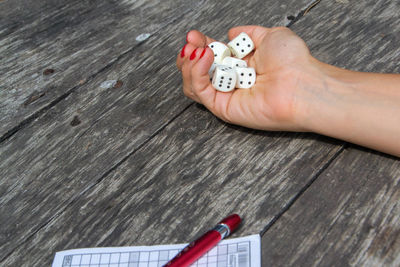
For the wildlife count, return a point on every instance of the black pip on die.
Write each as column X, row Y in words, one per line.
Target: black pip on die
column 246, row 77
column 224, row 78
column 220, row 50
column 229, row 72
column 241, row 46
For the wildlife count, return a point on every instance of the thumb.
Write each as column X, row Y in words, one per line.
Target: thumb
column 256, row 33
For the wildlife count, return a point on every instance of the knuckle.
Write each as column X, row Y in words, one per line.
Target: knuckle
column 186, row 93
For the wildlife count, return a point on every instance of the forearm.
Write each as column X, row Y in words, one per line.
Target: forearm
column 361, row 108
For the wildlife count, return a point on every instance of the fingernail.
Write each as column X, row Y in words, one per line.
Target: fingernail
column 183, row 50
column 202, row 53
column 193, row 55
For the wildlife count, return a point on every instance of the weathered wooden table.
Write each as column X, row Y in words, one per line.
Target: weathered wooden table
column 86, row 163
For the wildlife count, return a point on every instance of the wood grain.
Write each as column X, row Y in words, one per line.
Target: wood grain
column 77, row 40
column 53, row 161
column 350, row 216
column 180, row 183
column 88, row 132
column 362, row 36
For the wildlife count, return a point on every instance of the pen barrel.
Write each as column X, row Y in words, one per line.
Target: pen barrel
column 196, row 249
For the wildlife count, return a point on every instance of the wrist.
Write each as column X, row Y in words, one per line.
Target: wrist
column 321, row 98
column 360, row 108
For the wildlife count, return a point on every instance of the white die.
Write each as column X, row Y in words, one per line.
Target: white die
column 241, row 46
column 234, row 62
column 220, row 50
column 224, row 78
column 211, row 70
column 246, row 77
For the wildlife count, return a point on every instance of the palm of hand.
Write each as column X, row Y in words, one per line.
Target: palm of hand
column 271, row 103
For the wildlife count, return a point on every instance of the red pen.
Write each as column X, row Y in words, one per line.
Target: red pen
column 206, row 242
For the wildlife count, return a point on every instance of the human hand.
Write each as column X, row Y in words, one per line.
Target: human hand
column 296, row 92
column 280, row 59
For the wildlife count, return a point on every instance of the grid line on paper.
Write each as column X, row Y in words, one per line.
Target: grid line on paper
column 223, row 255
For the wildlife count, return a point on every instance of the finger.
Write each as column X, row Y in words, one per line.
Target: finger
column 256, row 33
column 212, row 99
column 184, row 54
column 198, row 39
column 188, row 71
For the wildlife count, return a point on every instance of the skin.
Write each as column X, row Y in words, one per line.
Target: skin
column 296, row 92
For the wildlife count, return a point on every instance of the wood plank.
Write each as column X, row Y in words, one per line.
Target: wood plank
column 350, row 216
column 77, row 40
column 56, row 150
column 114, row 123
column 361, row 35
column 192, row 173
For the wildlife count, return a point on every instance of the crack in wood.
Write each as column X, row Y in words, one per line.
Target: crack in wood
column 40, row 112
column 7, row 135
column 293, row 19
column 37, row 114
column 303, row 190
column 88, row 188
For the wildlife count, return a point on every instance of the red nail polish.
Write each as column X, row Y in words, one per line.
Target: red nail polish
column 183, row 50
column 193, row 55
column 202, row 53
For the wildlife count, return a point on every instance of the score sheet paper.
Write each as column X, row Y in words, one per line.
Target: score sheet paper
column 235, row 252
